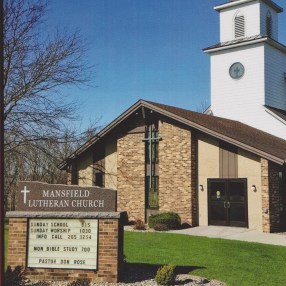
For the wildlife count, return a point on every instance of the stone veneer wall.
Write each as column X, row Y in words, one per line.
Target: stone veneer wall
column 131, row 175
column 270, row 196
column 177, row 172
column 110, row 253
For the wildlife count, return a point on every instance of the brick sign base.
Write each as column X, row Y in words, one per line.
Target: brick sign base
column 110, row 247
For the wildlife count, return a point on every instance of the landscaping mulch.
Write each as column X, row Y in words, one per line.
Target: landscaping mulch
column 181, row 279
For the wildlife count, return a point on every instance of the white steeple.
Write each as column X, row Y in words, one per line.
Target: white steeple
column 248, row 66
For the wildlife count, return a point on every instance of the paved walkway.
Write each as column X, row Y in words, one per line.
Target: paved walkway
column 235, row 233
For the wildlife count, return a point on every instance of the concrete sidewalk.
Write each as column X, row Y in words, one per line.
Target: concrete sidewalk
column 235, row 233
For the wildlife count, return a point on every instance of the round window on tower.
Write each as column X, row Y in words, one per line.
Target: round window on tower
column 236, row 70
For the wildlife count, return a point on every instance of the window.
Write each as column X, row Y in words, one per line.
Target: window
column 99, row 179
column 151, row 161
column 239, row 26
column 152, row 149
column 269, row 24
column 98, row 176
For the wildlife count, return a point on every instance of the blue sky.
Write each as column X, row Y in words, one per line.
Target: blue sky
column 148, row 49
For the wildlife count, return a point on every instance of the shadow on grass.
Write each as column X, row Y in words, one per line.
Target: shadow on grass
column 136, row 272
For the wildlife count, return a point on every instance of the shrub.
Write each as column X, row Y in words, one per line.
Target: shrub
column 40, row 283
column 170, row 219
column 160, row 227
column 166, row 275
column 80, row 282
column 16, row 277
column 139, row 225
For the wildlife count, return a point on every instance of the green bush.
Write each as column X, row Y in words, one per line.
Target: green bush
column 170, row 219
column 166, row 275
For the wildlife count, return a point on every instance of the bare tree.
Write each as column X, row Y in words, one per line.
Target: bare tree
column 35, row 68
column 203, row 106
column 35, row 111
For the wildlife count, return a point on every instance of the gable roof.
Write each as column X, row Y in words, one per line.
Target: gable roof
column 261, row 143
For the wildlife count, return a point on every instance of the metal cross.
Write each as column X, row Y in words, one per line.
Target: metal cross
column 150, row 139
column 25, row 191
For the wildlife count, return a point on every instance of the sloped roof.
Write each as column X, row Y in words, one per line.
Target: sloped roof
column 235, row 41
column 278, row 112
column 246, row 41
column 234, row 132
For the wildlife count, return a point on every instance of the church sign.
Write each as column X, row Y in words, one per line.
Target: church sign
column 37, row 196
column 62, row 232
column 63, row 243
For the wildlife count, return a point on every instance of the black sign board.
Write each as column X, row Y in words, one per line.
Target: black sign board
column 38, row 196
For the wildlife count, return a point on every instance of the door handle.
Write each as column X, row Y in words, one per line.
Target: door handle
column 228, row 205
column 224, row 204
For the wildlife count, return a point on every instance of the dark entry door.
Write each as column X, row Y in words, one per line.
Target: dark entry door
column 227, row 202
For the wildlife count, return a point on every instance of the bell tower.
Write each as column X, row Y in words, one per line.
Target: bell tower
column 248, row 66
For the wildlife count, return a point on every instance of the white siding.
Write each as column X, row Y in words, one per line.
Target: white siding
column 263, row 14
column 263, row 83
column 251, row 12
column 244, row 99
column 235, row 99
column 255, row 20
column 275, row 84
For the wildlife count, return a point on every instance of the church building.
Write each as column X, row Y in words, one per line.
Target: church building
column 227, row 167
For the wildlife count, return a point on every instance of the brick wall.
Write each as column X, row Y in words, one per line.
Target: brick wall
column 270, row 196
column 17, row 242
column 177, row 172
column 131, row 175
column 110, row 253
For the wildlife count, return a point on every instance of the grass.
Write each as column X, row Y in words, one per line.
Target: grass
column 235, row 262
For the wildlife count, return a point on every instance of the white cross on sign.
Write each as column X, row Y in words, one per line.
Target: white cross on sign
column 25, row 191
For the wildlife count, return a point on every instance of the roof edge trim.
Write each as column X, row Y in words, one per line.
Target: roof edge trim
column 100, row 134
column 273, row 5
column 267, row 40
column 276, row 116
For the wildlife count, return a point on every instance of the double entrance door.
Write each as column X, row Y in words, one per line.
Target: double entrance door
column 227, row 202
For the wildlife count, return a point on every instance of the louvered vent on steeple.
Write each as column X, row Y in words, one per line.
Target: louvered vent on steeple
column 239, row 26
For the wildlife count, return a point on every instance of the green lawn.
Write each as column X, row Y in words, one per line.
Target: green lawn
column 234, row 262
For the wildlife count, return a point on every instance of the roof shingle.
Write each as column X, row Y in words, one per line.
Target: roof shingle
column 234, row 132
